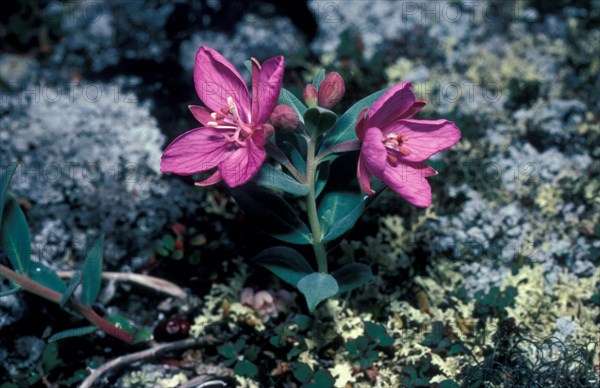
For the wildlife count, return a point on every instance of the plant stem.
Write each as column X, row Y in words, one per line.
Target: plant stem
column 53, row 296
column 311, row 205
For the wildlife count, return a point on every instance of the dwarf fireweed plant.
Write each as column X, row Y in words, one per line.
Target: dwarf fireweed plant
column 270, row 143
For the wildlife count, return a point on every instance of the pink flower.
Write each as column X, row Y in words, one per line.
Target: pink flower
column 394, row 146
column 235, row 127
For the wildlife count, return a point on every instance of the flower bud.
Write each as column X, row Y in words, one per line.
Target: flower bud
column 284, row 118
column 310, row 95
column 331, row 91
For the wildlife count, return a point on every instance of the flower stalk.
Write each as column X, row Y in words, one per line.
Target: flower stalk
column 311, row 205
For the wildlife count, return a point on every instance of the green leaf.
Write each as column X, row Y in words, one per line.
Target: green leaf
column 120, row 322
column 168, row 242
column 248, row 65
column 344, row 127
column 304, row 322
column 50, row 358
column 14, row 236
column 143, row 335
column 245, row 369
column 297, row 159
column 339, row 211
column 378, row 334
column 5, row 178
column 319, row 78
column 78, row 332
column 286, row 263
column 46, row 277
column 73, row 283
column 227, row 351
column 272, row 213
column 352, row 275
column 448, row 384
column 318, row 120
column 317, row 287
column 302, row 372
column 10, row 292
column 92, row 273
column 323, row 379
column 272, row 178
column 322, row 177
column 286, row 97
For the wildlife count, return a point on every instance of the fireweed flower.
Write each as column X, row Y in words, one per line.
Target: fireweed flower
column 394, row 146
column 235, row 126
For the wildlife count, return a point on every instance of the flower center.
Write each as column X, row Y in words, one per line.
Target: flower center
column 394, row 141
column 229, row 118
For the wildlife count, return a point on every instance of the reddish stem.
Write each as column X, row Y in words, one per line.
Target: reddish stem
column 53, row 296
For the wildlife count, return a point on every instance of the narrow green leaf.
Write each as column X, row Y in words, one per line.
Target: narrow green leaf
column 10, row 292
column 14, row 236
column 272, row 178
column 286, row 263
column 352, row 275
column 73, row 283
column 341, row 210
column 120, row 322
column 319, row 78
column 286, row 97
column 78, row 332
column 322, row 177
column 92, row 273
column 343, row 130
column 46, row 277
column 248, row 65
column 5, row 178
column 317, row 287
column 272, row 213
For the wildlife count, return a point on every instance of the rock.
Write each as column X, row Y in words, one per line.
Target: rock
column 89, row 163
column 16, row 71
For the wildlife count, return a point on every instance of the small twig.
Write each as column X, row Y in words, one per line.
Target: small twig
column 152, row 282
column 143, row 355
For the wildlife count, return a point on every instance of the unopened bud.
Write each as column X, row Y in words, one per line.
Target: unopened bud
column 284, row 118
column 331, row 91
column 310, row 95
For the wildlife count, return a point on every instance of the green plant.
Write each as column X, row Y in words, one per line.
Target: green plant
column 41, row 280
column 292, row 336
column 241, row 356
column 310, row 378
column 364, row 350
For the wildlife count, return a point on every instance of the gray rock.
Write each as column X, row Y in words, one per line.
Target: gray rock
column 89, row 163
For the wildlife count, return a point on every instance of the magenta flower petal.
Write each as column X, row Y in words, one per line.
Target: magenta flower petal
column 391, row 106
column 363, row 177
column 201, row 114
column 414, row 109
column 242, row 164
column 266, row 88
column 425, row 137
column 360, row 123
column 409, row 180
column 197, row 150
column 216, row 79
column 211, row 180
column 374, row 152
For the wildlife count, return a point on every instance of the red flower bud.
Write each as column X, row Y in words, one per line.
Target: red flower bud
column 310, row 95
column 284, row 118
column 331, row 91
